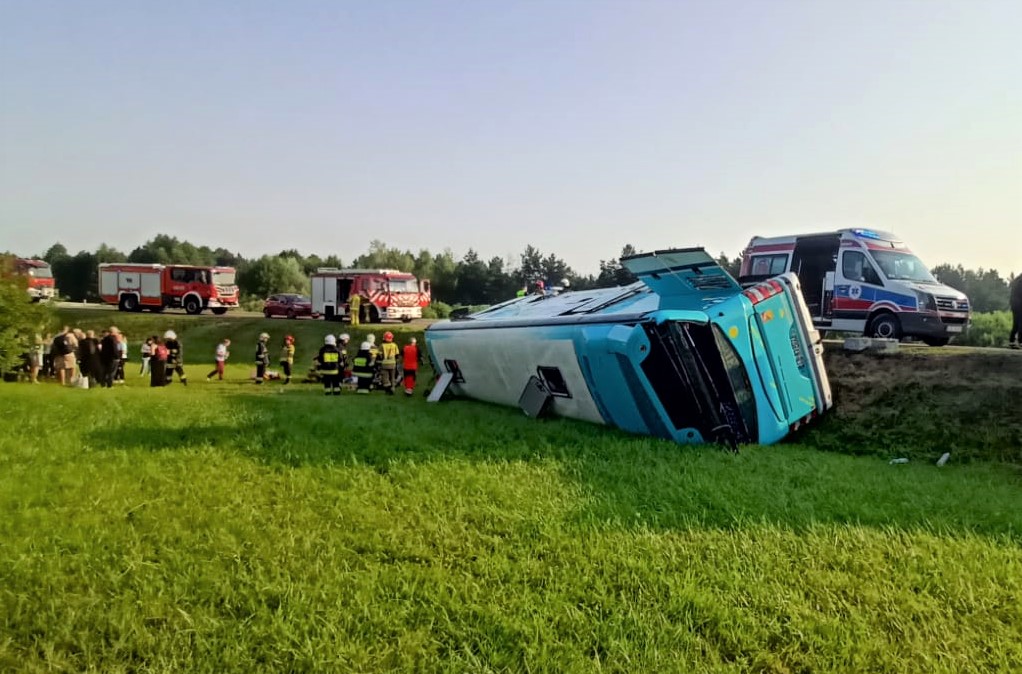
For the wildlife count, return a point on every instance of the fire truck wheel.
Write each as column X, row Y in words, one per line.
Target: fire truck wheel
column 192, row 305
column 219, row 311
column 885, row 326
column 157, row 310
column 374, row 315
column 406, row 319
column 129, row 303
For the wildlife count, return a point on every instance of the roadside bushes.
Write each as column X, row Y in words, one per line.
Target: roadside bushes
column 987, row 329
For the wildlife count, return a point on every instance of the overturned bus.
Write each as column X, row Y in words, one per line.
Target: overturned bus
column 684, row 354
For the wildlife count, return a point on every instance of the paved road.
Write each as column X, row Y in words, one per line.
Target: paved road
column 236, row 313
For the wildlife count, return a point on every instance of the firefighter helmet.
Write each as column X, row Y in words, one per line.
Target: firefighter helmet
column 170, row 334
column 329, row 339
column 388, row 336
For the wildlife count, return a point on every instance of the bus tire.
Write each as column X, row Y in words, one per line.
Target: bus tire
column 192, row 305
column 885, row 326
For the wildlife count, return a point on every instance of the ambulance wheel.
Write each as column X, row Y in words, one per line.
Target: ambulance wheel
column 129, row 303
column 219, row 311
column 885, row 326
column 936, row 341
column 193, row 305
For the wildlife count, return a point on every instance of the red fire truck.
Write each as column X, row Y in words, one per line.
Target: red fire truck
column 133, row 287
column 40, row 278
column 385, row 294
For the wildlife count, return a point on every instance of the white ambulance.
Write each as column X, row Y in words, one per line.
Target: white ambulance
column 861, row 280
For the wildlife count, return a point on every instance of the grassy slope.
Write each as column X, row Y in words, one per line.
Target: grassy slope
column 225, row 527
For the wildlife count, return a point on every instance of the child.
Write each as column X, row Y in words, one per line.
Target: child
column 220, row 358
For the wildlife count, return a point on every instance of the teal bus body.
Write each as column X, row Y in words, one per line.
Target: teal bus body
column 684, row 355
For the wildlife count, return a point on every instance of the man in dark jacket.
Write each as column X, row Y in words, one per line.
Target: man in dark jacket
column 1015, row 338
column 89, row 358
column 109, row 357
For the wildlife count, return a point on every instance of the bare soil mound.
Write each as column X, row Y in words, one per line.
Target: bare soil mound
column 922, row 402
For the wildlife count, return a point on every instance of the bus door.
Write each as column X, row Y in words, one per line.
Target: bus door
column 815, row 256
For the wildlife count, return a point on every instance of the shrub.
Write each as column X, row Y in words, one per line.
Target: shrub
column 987, row 329
column 437, row 310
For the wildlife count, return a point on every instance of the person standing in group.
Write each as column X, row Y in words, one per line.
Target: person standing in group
column 411, row 360
column 36, row 359
column 262, row 357
column 220, row 359
column 328, row 365
column 363, row 367
column 287, row 357
column 62, row 350
column 90, row 360
column 175, row 357
column 342, row 346
column 122, row 353
column 110, row 357
column 147, row 353
column 158, row 363
column 355, row 309
column 48, row 369
column 388, row 363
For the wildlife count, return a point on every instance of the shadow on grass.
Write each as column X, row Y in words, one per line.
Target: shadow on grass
column 630, row 481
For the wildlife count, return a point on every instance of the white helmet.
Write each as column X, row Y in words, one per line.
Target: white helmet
column 371, row 339
column 263, row 336
column 366, row 346
column 330, row 339
column 170, row 334
column 345, row 338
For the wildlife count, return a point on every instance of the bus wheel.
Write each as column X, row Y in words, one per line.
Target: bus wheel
column 192, row 305
column 885, row 326
column 936, row 341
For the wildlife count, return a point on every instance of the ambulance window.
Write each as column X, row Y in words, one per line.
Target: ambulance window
column 769, row 265
column 856, row 267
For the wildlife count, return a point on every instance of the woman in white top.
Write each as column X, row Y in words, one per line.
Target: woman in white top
column 147, row 353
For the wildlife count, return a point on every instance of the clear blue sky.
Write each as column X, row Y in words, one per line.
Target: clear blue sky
column 573, row 126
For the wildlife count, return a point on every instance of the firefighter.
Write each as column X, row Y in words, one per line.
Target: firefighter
column 355, row 309
column 362, row 367
column 388, row 363
column 411, row 365
column 262, row 357
column 287, row 357
column 328, row 365
column 374, row 351
column 175, row 357
column 342, row 346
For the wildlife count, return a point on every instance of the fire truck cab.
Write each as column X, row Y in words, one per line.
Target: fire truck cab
column 385, row 294
column 133, row 287
column 40, row 278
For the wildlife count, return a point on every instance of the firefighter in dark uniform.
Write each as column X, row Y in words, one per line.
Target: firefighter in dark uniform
column 328, row 364
column 175, row 357
column 262, row 357
column 363, row 367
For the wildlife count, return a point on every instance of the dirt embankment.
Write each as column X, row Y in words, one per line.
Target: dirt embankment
column 922, row 402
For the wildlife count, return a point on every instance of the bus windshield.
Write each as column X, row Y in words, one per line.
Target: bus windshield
column 902, row 266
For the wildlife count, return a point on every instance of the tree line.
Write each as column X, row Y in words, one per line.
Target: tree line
column 470, row 280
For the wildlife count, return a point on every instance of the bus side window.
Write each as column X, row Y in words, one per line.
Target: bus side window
column 856, row 267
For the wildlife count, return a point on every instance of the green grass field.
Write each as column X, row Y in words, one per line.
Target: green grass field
column 225, row 527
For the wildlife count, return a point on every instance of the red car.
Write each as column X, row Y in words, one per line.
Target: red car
column 289, row 305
